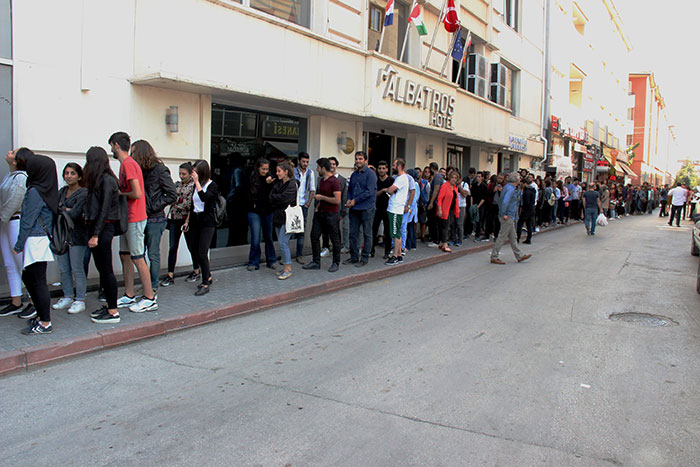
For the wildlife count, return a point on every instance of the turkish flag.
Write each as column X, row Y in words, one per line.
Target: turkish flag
column 451, row 21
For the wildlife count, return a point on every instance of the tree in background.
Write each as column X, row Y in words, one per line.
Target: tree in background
column 687, row 176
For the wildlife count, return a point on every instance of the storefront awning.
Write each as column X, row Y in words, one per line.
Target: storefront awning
column 629, row 172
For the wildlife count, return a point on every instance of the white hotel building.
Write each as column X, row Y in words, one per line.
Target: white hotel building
column 271, row 78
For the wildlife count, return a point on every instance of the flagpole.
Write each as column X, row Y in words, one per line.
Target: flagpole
column 449, row 52
column 381, row 39
column 408, row 31
column 432, row 42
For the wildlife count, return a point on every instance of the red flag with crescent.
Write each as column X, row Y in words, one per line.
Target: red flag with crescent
column 451, row 21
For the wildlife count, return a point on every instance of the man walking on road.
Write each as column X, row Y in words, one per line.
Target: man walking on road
column 508, row 214
column 678, row 197
column 362, row 197
column 591, row 208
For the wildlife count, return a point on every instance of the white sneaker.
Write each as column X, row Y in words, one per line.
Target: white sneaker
column 76, row 307
column 125, row 301
column 325, row 252
column 144, row 305
column 62, row 304
column 345, row 250
column 537, row 229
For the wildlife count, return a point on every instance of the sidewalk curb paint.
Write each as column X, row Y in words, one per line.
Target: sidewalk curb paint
column 30, row 357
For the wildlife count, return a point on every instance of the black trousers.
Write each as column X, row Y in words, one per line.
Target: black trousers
column 200, row 239
column 526, row 218
column 444, row 226
column 676, row 212
column 575, row 209
column 325, row 222
column 492, row 225
column 174, row 233
column 662, row 211
column 433, row 225
column 34, row 278
column 379, row 216
column 102, row 254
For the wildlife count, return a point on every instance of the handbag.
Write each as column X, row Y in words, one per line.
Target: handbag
column 294, row 219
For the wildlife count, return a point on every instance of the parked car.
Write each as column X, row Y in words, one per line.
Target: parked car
column 695, row 247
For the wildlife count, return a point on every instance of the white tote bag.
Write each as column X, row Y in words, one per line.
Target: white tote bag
column 294, row 222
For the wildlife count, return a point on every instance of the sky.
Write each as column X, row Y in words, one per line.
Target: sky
column 663, row 35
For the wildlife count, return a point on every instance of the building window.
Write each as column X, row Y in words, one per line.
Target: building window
column 580, row 19
column 629, row 141
column 576, row 77
column 630, row 113
column 294, row 11
column 376, row 18
column 511, row 13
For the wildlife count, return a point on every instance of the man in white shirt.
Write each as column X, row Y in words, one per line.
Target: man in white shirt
column 398, row 206
column 306, row 192
column 678, row 197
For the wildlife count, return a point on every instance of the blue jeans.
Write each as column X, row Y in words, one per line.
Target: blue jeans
column 152, row 235
column 260, row 224
column 71, row 264
column 589, row 218
column 411, row 236
column 364, row 218
column 283, row 242
column 300, row 236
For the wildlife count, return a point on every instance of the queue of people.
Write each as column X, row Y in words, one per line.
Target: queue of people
column 436, row 205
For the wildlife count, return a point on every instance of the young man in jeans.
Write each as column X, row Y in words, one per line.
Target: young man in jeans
column 326, row 217
column 131, row 244
column 305, row 194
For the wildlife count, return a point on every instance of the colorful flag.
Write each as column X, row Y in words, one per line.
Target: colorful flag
column 417, row 19
column 389, row 13
column 451, row 21
column 468, row 42
column 458, row 49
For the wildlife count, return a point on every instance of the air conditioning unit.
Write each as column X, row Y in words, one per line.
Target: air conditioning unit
column 476, row 65
column 478, row 86
column 498, row 94
column 499, row 74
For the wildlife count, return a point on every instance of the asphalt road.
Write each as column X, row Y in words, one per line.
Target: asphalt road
column 465, row 363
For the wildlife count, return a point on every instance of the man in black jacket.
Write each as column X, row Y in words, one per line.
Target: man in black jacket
column 527, row 210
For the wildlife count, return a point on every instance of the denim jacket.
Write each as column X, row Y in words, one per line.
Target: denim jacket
column 33, row 207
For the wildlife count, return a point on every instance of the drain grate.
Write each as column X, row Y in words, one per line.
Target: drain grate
column 643, row 319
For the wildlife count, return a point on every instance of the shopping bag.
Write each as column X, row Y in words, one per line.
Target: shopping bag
column 294, row 222
column 602, row 221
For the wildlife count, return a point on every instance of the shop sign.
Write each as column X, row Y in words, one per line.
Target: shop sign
column 441, row 106
column 285, row 130
column 517, row 143
column 580, row 148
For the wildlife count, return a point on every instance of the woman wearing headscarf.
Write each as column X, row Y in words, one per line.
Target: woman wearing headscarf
column 12, row 190
column 39, row 206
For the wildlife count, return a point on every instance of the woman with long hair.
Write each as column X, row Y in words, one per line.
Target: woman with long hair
column 201, row 223
column 160, row 192
column 179, row 210
column 71, row 203
column 39, row 207
column 260, row 216
column 446, row 204
column 12, row 190
column 283, row 194
column 101, row 214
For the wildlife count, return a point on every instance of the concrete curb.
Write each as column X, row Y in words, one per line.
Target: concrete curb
column 33, row 356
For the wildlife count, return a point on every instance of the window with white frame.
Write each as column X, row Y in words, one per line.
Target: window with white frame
column 294, row 11
column 511, row 13
column 376, row 17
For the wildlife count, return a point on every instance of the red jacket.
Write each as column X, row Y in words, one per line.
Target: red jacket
column 444, row 199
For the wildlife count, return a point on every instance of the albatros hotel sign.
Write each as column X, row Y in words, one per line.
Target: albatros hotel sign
column 441, row 106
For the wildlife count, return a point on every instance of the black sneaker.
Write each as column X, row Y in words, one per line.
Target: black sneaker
column 106, row 317
column 311, row 265
column 193, row 277
column 36, row 328
column 167, row 282
column 29, row 312
column 351, row 261
column 202, row 290
column 393, row 260
column 98, row 312
column 10, row 310
column 400, row 258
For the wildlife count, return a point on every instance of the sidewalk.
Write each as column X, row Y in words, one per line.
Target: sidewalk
column 235, row 291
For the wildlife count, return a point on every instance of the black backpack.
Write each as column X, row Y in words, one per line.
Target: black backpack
column 220, row 211
column 60, row 238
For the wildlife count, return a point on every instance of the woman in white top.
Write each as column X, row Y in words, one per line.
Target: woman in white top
column 12, row 191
